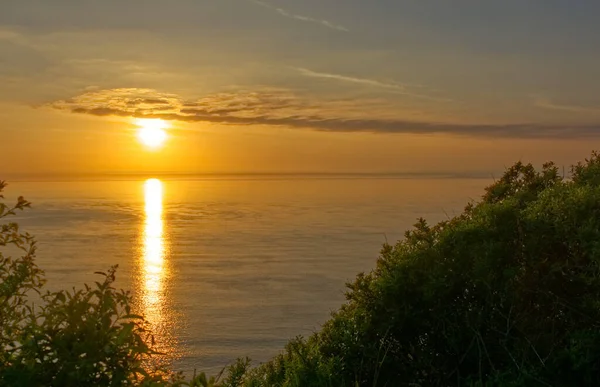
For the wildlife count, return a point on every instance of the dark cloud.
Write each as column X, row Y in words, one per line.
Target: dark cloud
column 285, row 110
column 148, row 101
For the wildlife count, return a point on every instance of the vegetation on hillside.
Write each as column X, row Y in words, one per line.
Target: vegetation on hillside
column 505, row 294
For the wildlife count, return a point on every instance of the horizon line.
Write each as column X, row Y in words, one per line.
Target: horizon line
column 33, row 177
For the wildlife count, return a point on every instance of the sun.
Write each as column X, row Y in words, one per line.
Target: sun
column 152, row 132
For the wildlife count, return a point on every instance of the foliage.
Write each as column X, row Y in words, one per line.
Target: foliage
column 17, row 278
column 300, row 364
column 71, row 338
column 505, row 294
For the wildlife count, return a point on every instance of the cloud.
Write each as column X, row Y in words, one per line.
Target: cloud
column 546, row 103
column 396, row 87
column 9, row 35
column 280, row 109
column 307, row 19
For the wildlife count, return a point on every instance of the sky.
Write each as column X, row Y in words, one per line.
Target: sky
column 415, row 86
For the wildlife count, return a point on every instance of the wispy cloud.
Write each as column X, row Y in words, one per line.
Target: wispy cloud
column 546, row 103
column 14, row 36
column 286, row 110
column 6, row 34
column 283, row 12
column 393, row 86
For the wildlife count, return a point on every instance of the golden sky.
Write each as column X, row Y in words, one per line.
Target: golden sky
column 288, row 86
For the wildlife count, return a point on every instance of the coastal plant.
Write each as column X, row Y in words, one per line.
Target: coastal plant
column 18, row 277
column 504, row 294
column 65, row 338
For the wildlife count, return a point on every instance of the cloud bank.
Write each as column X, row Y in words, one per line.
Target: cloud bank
column 282, row 109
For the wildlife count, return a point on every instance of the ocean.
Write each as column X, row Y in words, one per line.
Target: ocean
column 228, row 267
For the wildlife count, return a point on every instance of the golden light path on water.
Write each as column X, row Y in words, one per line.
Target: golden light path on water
column 154, row 269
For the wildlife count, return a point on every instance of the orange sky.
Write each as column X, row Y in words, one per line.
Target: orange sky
column 286, row 87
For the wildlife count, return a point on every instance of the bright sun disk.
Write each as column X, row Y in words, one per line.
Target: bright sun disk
column 152, row 132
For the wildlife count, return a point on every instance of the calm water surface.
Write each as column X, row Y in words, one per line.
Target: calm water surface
column 225, row 268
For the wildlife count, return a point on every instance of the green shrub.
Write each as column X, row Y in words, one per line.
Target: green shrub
column 70, row 338
column 505, row 294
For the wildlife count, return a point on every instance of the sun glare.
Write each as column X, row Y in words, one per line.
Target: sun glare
column 152, row 132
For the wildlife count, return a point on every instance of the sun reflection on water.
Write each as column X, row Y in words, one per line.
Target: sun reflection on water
column 154, row 269
column 154, row 247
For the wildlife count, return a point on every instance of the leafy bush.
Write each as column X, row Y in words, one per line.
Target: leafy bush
column 71, row 338
column 505, row 294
